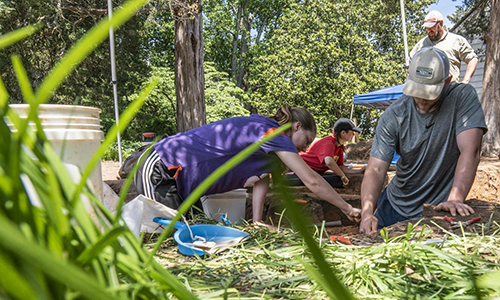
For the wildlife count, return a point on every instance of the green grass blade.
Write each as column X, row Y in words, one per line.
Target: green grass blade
column 296, row 215
column 105, row 240
column 22, row 79
column 4, row 95
column 15, row 283
column 17, row 35
column 13, row 240
column 315, row 275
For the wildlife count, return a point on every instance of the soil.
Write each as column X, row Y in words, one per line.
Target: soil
column 358, row 153
column 109, row 169
column 110, row 177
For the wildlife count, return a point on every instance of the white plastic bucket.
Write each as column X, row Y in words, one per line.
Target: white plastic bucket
column 231, row 204
column 74, row 133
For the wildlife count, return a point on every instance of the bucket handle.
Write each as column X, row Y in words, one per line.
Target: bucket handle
column 165, row 221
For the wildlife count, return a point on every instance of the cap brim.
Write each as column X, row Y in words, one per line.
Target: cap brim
column 357, row 129
column 428, row 24
column 423, row 91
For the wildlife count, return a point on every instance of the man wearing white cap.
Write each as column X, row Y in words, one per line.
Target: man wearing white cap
column 455, row 46
column 436, row 127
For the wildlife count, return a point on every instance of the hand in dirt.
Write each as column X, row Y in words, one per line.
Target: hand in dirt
column 345, row 180
column 454, row 206
column 353, row 214
column 368, row 224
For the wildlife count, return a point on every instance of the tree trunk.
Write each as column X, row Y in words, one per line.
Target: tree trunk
column 234, row 61
column 491, row 84
column 189, row 73
column 245, row 33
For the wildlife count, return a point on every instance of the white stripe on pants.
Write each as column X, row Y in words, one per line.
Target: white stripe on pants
column 147, row 171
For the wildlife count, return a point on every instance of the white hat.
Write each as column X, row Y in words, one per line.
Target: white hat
column 427, row 74
column 432, row 18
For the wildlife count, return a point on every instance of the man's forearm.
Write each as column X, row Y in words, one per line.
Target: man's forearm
column 465, row 173
column 370, row 190
column 469, row 71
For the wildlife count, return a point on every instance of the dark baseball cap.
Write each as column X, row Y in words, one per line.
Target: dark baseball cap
column 345, row 124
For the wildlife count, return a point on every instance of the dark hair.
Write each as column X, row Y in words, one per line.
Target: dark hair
column 286, row 114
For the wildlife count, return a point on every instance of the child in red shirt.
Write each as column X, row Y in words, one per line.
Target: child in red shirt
column 328, row 153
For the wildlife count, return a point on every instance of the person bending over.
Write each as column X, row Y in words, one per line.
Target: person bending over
column 436, row 127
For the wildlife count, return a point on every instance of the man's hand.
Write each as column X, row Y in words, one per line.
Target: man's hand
column 353, row 214
column 454, row 206
column 368, row 224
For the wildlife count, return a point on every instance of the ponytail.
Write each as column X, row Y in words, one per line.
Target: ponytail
column 286, row 114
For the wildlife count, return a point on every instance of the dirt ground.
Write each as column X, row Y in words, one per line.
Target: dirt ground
column 109, row 170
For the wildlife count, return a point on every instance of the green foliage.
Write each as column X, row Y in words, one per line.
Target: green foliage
column 157, row 35
column 137, row 43
column 223, row 100
column 323, row 53
column 127, row 148
column 222, row 97
column 232, row 29
column 158, row 113
column 477, row 23
column 314, row 54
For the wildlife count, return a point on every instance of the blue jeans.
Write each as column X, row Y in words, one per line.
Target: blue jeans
column 385, row 213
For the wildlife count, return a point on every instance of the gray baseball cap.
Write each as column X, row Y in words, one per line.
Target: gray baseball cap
column 427, row 74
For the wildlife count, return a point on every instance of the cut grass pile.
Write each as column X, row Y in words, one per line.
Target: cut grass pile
column 270, row 266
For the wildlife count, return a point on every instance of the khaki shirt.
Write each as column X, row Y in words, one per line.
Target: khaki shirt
column 456, row 48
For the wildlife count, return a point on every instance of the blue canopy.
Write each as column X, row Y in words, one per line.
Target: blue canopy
column 379, row 99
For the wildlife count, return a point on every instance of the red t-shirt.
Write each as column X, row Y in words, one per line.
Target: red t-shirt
column 315, row 155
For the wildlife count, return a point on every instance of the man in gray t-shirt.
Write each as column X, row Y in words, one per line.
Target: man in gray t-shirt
column 436, row 128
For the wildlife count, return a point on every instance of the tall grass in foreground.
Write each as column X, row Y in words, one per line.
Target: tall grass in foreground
column 49, row 246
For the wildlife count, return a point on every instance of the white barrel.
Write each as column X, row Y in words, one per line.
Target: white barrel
column 231, row 205
column 74, row 132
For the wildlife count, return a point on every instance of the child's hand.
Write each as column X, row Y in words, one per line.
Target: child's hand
column 353, row 214
column 345, row 180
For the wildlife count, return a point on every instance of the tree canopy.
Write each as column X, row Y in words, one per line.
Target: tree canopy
column 258, row 54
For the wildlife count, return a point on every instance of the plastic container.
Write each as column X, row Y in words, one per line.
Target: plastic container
column 148, row 138
column 74, row 133
column 230, row 205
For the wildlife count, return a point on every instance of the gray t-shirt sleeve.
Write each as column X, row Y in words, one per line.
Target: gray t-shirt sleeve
column 386, row 136
column 469, row 111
